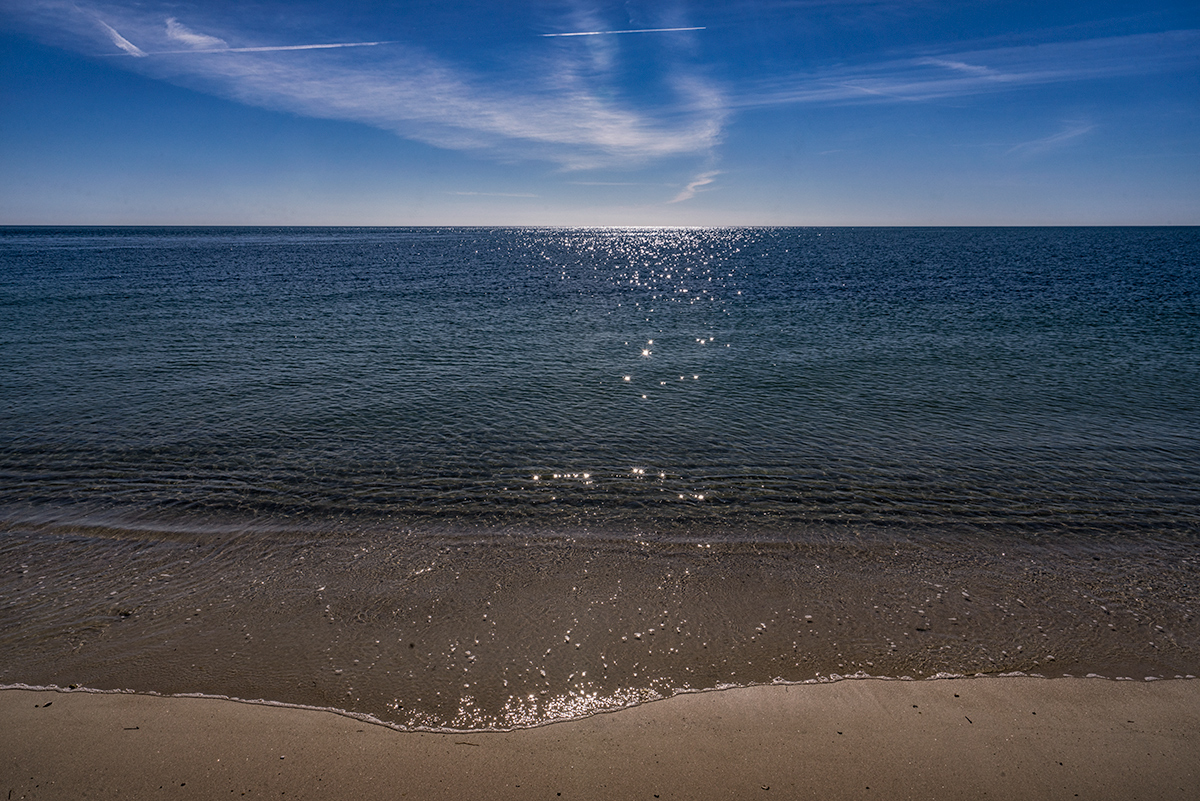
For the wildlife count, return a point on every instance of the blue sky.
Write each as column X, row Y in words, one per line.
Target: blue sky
column 696, row 112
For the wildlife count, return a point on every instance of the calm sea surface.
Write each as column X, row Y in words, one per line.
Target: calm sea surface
column 491, row 477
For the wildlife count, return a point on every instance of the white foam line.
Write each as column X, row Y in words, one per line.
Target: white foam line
column 638, row 30
column 652, row 696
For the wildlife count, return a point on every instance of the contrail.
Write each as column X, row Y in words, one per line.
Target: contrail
column 267, row 49
column 121, row 42
column 270, row 48
column 608, row 33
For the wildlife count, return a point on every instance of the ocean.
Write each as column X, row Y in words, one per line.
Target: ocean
column 489, row 478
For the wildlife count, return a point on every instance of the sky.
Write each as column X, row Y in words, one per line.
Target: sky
column 568, row 112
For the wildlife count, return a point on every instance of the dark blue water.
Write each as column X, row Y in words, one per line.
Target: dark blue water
column 1027, row 377
column 560, row 398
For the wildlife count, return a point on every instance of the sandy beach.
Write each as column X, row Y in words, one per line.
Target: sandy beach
column 1003, row 738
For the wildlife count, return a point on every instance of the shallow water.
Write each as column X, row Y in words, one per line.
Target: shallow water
column 485, row 478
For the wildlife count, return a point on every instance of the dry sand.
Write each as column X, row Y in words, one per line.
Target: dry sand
column 994, row 738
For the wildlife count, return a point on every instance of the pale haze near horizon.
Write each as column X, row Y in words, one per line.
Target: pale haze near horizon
column 762, row 112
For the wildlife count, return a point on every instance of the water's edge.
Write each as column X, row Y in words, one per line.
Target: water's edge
column 369, row 719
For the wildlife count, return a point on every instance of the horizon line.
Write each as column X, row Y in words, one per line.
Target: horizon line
column 598, row 225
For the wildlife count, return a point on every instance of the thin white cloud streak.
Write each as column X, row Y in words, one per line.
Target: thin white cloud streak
column 984, row 71
column 573, row 127
column 120, row 41
column 1070, row 132
column 689, row 191
column 615, row 183
column 494, row 194
column 265, row 49
column 178, row 32
column 959, row 66
column 612, row 33
column 203, row 43
column 569, row 116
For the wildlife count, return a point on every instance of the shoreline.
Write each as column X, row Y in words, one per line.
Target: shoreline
column 372, row 720
column 999, row 737
column 497, row 635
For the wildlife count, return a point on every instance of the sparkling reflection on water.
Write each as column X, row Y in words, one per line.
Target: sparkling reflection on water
column 1020, row 375
column 693, row 417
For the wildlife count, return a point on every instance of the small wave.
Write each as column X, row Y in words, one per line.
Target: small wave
column 567, row 710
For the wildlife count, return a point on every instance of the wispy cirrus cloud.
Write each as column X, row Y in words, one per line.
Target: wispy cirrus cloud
column 551, row 106
column 203, row 43
column 975, row 72
column 178, row 32
column 615, row 183
column 959, row 66
column 494, row 194
column 633, row 30
column 1069, row 132
column 263, row 49
column 689, row 191
column 120, row 41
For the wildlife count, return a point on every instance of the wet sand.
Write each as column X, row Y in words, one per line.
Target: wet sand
column 1015, row 738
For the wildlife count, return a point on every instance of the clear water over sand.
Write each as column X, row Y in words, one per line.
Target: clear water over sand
column 484, row 478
